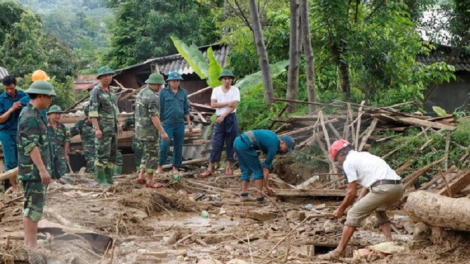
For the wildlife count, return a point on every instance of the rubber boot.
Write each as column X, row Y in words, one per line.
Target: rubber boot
column 101, row 176
column 108, row 172
column 117, row 170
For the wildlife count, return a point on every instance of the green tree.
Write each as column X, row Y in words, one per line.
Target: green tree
column 21, row 51
column 25, row 48
column 142, row 29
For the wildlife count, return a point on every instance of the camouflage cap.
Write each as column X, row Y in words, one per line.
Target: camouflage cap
column 54, row 109
column 104, row 70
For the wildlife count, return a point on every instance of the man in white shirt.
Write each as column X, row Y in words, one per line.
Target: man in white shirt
column 224, row 99
column 382, row 188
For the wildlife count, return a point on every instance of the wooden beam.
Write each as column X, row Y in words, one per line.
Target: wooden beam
column 409, row 179
column 9, row 173
column 367, row 134
column 200, row 91
column 207, row 107
column 424, row 123
column 457, row 185
column 310, row 193
column 77, row 103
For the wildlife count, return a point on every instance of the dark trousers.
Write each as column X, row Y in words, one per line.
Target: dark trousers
column 225, row 132
column 175, row 132
column 10, row 154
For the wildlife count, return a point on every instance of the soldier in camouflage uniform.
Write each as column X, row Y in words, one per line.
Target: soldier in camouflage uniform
column 59, row 136
column 84, row 127
column 34, row 157
column 104, row 117
column 147, row 127
column 136, row 145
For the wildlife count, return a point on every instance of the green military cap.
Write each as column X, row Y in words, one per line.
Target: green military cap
column 41, row 87
column 104, row 70
column 226, row 73
column 155, row 78
column 54, row 109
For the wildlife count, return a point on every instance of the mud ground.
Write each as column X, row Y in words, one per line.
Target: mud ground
column 128, row 224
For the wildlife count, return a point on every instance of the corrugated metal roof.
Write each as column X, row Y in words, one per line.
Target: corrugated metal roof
column 3, row 72
column 176, row 62
column 441, row 53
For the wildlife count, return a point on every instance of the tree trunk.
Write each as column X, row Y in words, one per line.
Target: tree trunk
column 343, row 73
column 294, row 55
column 307, row 44
column 439, row 211
column 262, row 53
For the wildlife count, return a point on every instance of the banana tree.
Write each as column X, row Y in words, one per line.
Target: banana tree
column 211, row 70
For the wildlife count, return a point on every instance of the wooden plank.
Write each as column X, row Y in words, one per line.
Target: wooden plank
column 457, row 185
column 409, row 179
column 10, row 173
column 367, row 133
column 207, row 107
column 200, row 91
column 77, row 103
column 132, row 93
column 358, row 126
column 403, row 167
column 295, row 131
column 310, row 193
column 425, row 123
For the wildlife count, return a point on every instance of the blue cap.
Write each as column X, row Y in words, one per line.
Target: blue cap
column 289, row 142
column 174, row 76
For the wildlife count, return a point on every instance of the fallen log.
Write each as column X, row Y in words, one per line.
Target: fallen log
column 439, row 211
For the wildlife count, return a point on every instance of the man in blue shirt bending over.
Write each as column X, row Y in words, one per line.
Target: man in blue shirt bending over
column 10, row 108
column 246, row 146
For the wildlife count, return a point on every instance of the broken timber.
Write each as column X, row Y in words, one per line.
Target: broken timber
column 457, row 185
column 311, row 193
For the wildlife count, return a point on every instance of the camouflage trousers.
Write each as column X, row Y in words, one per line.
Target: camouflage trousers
column 150, row 151
column 106, row 150
column 59, row 167
column 34, row 199
column 137, row 148
column 89, row 154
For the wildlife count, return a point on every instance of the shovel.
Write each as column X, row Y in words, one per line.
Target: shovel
column 69, row 177
column 70, row 167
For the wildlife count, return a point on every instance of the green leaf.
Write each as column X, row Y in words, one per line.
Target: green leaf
column 256, row 79
column 214, row 69
column 193, row 56
column 439, row 111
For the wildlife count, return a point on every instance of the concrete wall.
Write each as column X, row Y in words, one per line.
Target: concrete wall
column 451, row 96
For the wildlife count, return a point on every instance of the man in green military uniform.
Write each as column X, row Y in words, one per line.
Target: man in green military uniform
column 148, row 126
column 104, row 117
column 34, row 157
column 84, row 128
column 136, row 144
column 59, row 136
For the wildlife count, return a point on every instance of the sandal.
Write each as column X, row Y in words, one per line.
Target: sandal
column 205, row 174
column 140, row 181
column 155, row 185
